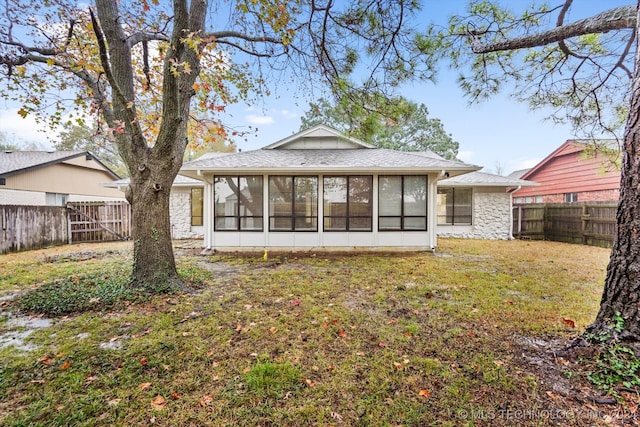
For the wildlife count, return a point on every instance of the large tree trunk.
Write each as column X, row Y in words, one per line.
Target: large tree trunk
column 154, row 267
column 621, row 296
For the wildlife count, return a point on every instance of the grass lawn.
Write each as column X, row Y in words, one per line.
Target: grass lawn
column 465, row 336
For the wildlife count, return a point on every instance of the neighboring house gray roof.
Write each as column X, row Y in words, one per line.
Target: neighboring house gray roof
column 15, row 162
column 519, row 173
column 325, row 160
column 485, row 180
column 180, row 181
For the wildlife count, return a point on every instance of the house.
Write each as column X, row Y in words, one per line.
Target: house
column 319, row 189
column 54, row 178
column 185, row 206
column 574, row 172
column 477, row 205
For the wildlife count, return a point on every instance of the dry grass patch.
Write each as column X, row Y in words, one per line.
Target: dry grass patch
column 415, row 339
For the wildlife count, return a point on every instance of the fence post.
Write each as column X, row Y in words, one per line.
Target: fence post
column 584, row 218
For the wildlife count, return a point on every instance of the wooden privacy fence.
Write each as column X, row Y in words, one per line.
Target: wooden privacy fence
column 591, row 224
column 99, row 221
column 32, row 227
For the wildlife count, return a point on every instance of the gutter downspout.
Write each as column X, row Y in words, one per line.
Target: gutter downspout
column 511, row 214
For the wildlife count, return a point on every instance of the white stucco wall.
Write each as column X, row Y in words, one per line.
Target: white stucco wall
column 180, row 211
column 491, row 217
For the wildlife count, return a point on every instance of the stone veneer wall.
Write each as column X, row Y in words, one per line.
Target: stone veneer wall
column 180, row 211
column 491, row 217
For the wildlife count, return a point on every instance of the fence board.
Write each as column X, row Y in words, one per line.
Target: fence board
column 32, row 227
column 586, row 223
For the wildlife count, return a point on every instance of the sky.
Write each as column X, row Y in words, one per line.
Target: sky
column 499, row 133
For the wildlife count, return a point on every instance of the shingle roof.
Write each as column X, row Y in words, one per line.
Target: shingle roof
column 180, row 181
column 13, row 162
column 327, row 159
column 484, row 179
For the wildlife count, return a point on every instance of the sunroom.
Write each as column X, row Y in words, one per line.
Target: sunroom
column 320, row 190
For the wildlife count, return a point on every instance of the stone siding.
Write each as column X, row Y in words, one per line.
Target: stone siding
column 491, row 218
column 180, row 211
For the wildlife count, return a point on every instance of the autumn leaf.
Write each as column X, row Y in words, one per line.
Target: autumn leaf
column 569, row 322
column 273, row 330
column 295, row 302
column 342, row 333
column 144, row 361
column 206, row 400
column 144, row 386
column 113, row 402
column 424, row 393
column 65, row 366
column 382, row 344
column 175, row 396
column 309, row 383
column 398, row 365
column 47, row 360
column 158, row 403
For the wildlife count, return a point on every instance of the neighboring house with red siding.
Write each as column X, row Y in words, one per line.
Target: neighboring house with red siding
column 572, row 173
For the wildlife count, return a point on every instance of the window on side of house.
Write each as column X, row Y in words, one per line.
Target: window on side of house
column 56, row 199
column 455, row 206
column 348, row 203
column 238, row 203
column 402, row 202
column 197, row 205
column 570, row 197
column 293, row 203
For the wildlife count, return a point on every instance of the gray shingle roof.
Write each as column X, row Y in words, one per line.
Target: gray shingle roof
column 14, row 162
column 362, row 159
column 484, row 179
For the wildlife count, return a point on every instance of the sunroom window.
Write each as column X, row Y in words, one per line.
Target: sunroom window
column 238, row 203
column 347, row 203
column 402, row 203
column 293, row 203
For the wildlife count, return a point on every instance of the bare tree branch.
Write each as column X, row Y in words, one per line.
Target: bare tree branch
column 619, row 18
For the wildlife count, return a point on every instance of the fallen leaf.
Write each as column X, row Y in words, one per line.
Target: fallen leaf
column 295, row 302
column 382, row 344
column 158, row 403
column 424, row 393
column 144, row 386
column 273, row 330
column 569, row 322
column 175, row 396
column 206, row 400
column 509, row 302
column 186, row 334
column 498, row 362
column 65, row 366
column 309, row 383
column 397, row 365
column 342, row 333
column 113, row 402
column 47, row 360
column 144, row 361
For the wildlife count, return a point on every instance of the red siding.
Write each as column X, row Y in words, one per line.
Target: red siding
column 569, row 170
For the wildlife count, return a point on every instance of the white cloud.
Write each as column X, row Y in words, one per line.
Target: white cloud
column 287, row 114
column 259, row 120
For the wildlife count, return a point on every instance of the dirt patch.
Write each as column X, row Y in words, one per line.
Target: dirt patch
column 557, row 363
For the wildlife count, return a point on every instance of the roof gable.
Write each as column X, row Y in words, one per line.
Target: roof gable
column 319, row 137
column 16, row 162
